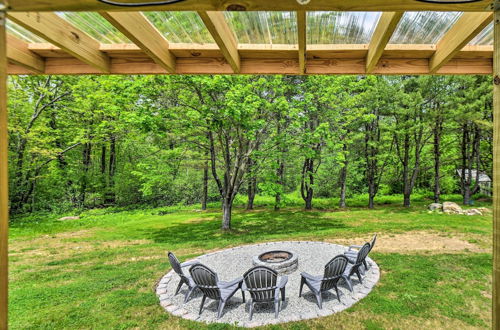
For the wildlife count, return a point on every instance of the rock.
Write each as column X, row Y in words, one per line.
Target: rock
column 472, row 212
column 69, row 218
column 452, row 208
column 484, row 210
column 436, row 207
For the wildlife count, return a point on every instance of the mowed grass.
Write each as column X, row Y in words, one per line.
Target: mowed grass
column 100, row 271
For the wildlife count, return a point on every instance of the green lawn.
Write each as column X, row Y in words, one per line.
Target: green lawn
column 100, row 271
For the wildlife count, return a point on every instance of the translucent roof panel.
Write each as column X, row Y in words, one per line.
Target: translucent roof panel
column 333, row 27
column 485, row 37
column 22, row 33
column 180, row 26
column 423, row 27
column 95, row 26
column 260, row 27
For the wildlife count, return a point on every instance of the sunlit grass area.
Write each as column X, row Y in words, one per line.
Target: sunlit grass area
column 101, row 271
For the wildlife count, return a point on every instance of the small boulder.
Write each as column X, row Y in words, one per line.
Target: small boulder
column 484, row 210
column 436, row 207
column 472, row 212
column 69, row 218
column 451, row 208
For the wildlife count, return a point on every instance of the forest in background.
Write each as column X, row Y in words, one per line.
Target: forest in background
column 98, row 141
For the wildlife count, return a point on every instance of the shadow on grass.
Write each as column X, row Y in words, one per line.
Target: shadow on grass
column 250, row 227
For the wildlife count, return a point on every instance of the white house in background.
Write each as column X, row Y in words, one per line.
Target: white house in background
column 484, row 181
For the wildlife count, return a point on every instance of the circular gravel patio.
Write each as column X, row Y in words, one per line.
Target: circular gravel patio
column 232, row 263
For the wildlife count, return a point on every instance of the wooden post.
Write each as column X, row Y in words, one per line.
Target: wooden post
column 496, row 168
column 4, row 190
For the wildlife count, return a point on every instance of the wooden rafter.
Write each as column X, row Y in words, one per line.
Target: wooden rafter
column 301, row 30
column 466, row 28
column 381, row 36
column 262, row 5
column 18, row 53
column 64, row 35
column 223, row 36
column 136, row 27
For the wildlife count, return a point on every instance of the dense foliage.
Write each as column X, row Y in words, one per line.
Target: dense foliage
column 94, row 141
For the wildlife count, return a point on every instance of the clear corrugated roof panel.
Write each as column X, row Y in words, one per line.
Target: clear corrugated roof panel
column 485, row 37
column 333, row 27
column 95, row 26
column 260, row 27
column 180, row 26
column 423, row 27
column 22, row 33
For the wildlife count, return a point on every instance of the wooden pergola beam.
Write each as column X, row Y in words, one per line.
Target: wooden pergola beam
column 136, row 27
column 18, row 53
column 496, row 173
column 466, row 28
column 61, row 33
column 4, row 178
column 254, row 5
column 381, row 36
column 223, row 36
column 301, row 31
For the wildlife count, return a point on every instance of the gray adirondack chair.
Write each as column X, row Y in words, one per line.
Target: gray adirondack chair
column 334, row 271
column 185, row 279
column 354, row 268
column 209, row 284
column 263, row 285
column 351, row 254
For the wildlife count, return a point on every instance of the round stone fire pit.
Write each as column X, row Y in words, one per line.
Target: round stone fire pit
column 284, row 262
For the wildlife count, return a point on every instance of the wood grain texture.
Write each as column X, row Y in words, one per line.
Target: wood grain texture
column 466, row 28
column 301, row 37
column 18, row 53
column 275, row 5
column 496, row 175
column 136, row 27
column 223, row 36
column 4, row 179
column 64, row 35
column 381, row 36
column 218, row 65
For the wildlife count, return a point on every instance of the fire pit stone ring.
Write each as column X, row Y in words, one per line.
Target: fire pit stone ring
column 284, row 262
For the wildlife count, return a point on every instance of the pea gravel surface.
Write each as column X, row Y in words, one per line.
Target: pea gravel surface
column 234, row 262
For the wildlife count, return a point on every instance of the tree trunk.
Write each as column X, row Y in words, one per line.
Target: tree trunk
column 343, row 178
column 307, row 182
column 280, row 175
column 86, row 154
column 406, row 161
column 371, row 197
column 437, row 131
column 227, row 206
column 110, row 194
column 437, row 166
column 204, row 196
column 252, row 185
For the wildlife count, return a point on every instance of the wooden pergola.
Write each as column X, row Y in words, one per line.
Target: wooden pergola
column 70, row 50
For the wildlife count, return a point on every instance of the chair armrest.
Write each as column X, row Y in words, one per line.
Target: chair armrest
column 231, row 283
column 283, row 281
column 311, row 277
column 355, row 247
column 189, row 263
